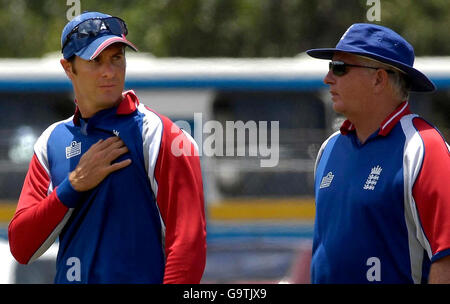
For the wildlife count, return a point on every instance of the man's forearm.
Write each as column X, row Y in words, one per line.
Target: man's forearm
column 440, row 271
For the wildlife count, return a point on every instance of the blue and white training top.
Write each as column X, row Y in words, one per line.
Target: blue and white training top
column 144, row 223
column 382, row 207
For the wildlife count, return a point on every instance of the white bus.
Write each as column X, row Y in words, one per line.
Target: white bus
column 36, row 92
column 199, row 94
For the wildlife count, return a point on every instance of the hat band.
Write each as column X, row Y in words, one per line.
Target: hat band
column 381, row 62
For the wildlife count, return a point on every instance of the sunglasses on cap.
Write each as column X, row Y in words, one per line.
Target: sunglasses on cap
column 92, row 28
column 340, row 68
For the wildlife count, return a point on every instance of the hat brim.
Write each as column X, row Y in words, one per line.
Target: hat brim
column 98, row 45
column 419, row 82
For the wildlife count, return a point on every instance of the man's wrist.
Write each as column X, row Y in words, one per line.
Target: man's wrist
column 67, row 194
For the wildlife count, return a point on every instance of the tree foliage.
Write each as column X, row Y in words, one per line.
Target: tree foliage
column 225, row 28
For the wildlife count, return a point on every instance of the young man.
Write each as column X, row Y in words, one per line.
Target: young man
column 109, row 181
column 381, row 182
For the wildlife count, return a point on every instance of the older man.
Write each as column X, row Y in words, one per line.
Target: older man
column 126, row 205
column 381, row 181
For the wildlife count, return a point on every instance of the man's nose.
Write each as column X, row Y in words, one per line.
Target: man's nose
column 329, row 78
column 107, row 69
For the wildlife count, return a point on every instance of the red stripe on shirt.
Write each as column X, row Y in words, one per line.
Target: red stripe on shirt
column 36, row 216
column 431, row 188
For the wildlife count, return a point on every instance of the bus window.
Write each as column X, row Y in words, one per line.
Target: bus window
column 25, row 117
column 302, row 128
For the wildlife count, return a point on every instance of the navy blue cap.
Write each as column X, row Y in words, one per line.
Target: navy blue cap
column 94, row 45
column 382, row 44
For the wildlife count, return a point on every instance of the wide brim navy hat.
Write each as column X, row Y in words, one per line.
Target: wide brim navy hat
column 382, row 44
column 94, row 45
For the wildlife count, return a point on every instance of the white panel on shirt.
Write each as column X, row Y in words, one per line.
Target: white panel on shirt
column 412, row 162
column 322, row 147
column 152, row 131
column 152, row 128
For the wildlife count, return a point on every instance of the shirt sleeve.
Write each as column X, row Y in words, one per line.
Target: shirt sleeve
column 181, row 203
column 431, row 190
column 38, row 218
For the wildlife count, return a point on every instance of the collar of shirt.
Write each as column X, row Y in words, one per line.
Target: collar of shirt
column 387, row 124
column 128, row 105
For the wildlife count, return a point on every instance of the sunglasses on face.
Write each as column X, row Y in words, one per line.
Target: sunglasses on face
column 93, row 27
column 340, row 68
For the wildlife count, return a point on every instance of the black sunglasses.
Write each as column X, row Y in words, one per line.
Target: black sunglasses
column 93, row 27
column 339, row 68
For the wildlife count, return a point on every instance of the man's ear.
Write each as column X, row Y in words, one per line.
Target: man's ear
column 68, row 68
column 381, row 80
